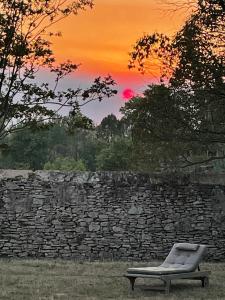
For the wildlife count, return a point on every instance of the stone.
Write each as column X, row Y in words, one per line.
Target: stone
column 169, row 227
column 117, row 229
column 135, row 210
column 94, row 227
column 113, row 215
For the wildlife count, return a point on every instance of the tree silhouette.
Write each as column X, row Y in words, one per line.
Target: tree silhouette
column 192, row 67
column 25, row 50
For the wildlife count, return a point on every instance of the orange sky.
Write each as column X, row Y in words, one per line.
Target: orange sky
column 101, row 38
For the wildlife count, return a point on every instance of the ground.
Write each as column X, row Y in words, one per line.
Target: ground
column 68, row 280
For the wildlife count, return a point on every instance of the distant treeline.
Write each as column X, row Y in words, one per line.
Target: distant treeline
column 108, row 146
column 105, row 147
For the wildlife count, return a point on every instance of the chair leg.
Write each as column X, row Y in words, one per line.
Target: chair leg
column 205, row 281
column 167, row 286
column 132, row 281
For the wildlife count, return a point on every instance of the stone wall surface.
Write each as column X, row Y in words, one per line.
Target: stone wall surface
column 108, row 215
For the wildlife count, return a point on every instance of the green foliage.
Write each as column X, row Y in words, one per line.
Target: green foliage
column 116, row 156
column 63, row 149
column 26, row 150
column 78, row 144
column 109, row 128
column 65, row 164
column 115, row 150
column 57, row 147
column 32, row 149
column 153, row 133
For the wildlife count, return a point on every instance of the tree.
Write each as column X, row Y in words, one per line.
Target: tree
column 114, row 145
column 195, row 56
column 25, row 49
column 81, row 144
column 192, row 108
column 65, row 164
column 155, row 120
column 27, row 149
column 111, row 127
column 31, row 149
column 116, row 156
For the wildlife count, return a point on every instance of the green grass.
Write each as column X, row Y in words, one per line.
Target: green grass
column 67, row 280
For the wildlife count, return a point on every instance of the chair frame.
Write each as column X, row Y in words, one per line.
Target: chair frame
column 167, row 278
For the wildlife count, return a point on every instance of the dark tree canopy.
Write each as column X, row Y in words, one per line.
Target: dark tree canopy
column 195, row 56
column 25, row 49
column 111, row 128
column 189, row 108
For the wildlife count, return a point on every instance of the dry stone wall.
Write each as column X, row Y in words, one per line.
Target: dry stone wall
column 121, row 216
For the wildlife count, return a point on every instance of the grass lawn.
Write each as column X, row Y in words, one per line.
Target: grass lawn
column 60, row 280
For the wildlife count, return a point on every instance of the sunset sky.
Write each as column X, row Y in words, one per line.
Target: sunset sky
column 100, row 40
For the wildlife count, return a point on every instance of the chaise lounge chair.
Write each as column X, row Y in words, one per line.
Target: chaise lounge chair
column 181, row 263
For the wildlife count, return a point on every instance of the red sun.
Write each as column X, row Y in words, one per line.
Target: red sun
column 128, row 94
